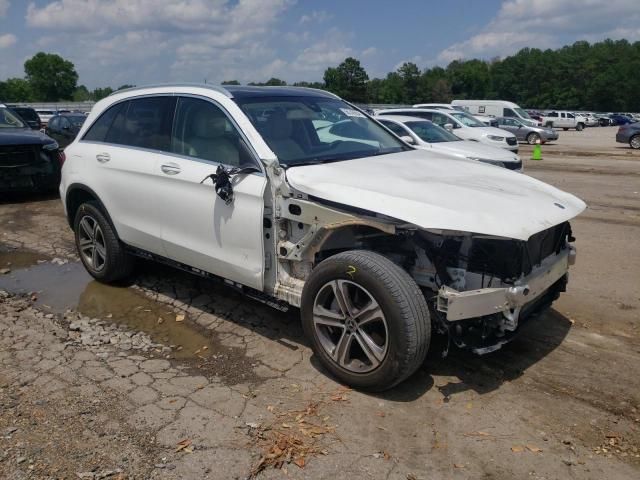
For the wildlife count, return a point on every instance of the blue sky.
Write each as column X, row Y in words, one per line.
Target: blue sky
column 113, row 42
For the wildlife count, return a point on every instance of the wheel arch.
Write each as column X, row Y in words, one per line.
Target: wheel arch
column 76, row 195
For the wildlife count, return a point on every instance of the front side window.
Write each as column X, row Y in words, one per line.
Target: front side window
column 306, row 129
column 507, row 112
column 202, row 130
column 431, row 133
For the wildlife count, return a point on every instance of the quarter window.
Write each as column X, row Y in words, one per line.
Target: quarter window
column 98, row 131
column 202, row 130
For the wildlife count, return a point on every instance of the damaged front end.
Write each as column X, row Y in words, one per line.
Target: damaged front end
column 486, row 286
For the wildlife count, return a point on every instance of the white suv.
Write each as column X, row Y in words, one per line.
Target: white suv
column 379, row 244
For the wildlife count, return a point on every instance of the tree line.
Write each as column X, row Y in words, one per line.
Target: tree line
column 582, row 76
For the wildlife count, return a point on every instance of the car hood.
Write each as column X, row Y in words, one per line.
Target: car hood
column 23, row 136
column 474, row 149
column 436, row 192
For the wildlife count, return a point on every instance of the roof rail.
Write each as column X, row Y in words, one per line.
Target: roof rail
column 216, row 88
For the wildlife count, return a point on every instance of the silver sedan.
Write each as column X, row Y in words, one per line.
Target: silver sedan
column 527, row 133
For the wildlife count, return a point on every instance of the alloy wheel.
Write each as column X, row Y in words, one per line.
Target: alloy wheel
column 91, row 243
column 635, row 142
column 350, row 326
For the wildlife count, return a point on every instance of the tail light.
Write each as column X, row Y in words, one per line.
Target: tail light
column 61, row 157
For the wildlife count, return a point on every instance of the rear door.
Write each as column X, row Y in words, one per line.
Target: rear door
column 124, row 147
column 200, row 229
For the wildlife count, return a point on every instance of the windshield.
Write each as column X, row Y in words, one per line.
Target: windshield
column 27, row 114
column 431, row 133
column 306, row 130
column 522, row 113
column 467, row 119
column 8, row 119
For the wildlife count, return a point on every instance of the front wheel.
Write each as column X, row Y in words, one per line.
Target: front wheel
column 580, row 127
column 366, row 318
column 634, row 142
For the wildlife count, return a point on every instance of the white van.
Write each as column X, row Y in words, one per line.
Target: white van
column 495, row 108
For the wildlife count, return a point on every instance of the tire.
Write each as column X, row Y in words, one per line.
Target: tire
column 565, row 129
column 400, row 327
column 634, row 142
column 532, row 138
column 99, row 248
column 580, row 127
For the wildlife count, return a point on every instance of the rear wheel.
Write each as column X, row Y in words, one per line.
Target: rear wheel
column 565, row 129
column 580, row 127
column 101, row 252
column 366, row 318
column 634, row 142
column 533, row 138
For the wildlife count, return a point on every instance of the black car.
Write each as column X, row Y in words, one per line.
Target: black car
column 29, row 159
column 64, row 127
column 29, row 115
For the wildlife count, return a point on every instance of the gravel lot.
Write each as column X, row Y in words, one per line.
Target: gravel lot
column 177, row 377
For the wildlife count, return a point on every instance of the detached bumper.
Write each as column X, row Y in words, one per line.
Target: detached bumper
column 508, row 301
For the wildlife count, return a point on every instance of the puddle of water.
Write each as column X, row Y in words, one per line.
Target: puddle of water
column 14, row 259
column 61, row 287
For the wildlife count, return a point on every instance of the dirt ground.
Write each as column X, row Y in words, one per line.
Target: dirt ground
column 175, row 377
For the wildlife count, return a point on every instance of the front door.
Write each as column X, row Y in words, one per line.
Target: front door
column 200, row 229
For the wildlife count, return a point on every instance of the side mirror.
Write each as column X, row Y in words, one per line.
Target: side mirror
column 448, row 126
column 408, row 139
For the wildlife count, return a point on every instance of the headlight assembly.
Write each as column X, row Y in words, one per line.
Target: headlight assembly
column 495, row 138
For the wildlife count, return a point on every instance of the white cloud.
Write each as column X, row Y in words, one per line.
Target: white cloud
column 318, row 16
column 548, row 24
column 143, row 41
column 369, row 52
column 7, row 40
column 322, row 53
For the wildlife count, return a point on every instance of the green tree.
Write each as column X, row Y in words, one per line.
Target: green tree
column 15, row 90
column 51, row 77
column 275, row 82
column 100, row 93
column 348, row 80
column 410, row 75
column 81, row 94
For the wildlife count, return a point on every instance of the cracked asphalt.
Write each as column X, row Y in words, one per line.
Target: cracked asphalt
column 177, row 377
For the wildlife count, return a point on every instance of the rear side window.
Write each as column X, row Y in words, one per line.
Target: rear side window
column 507, row 112
column 147, row 124
column 98, row 131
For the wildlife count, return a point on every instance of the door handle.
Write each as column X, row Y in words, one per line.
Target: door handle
column 170, row 168
column 103, row 157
